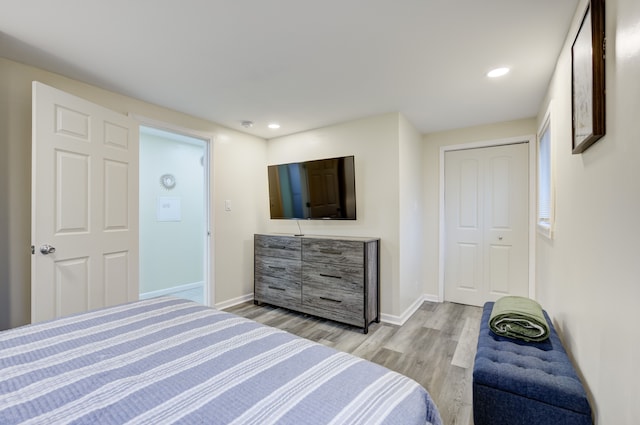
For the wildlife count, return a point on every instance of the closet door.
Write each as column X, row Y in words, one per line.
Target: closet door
column 486, row 223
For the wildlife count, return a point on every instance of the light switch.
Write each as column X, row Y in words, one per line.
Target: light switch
column 227, row 205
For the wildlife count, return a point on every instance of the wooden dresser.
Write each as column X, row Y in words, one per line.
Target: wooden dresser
column 331, row 277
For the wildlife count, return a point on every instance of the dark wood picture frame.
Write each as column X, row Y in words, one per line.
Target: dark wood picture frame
column 588, row 79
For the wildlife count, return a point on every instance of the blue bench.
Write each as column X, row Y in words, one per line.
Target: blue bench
column 525, row 383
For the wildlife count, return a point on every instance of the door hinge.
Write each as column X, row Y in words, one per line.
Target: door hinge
column 33, row 249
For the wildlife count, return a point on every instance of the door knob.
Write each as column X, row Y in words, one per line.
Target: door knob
column 47, row 249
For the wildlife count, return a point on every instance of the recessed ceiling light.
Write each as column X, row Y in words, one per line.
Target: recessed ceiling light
column 498, row 72
column 274, row 126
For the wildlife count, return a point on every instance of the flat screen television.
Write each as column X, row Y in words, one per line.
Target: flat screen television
column 323, row 189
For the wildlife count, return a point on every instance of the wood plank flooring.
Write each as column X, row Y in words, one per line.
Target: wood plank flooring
column 435, row 347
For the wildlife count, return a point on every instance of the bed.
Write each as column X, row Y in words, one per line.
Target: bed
column 167, row 360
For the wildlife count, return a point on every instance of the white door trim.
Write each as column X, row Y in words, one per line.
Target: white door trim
column 531, row 140
column 209, row 279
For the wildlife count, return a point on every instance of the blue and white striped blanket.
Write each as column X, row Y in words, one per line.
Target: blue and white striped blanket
column 166, row 360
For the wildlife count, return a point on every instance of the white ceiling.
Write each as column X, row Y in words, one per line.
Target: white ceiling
column 302, row 63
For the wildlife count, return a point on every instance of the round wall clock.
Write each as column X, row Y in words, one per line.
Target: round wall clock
column 168, row 181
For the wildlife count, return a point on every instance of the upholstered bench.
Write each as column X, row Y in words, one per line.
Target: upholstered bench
column 525, row 383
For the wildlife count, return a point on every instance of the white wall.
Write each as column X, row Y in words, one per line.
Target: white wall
column 411, row 203
column 431, row 165
column 374, row 143
column 238, row 161
column 588, row 277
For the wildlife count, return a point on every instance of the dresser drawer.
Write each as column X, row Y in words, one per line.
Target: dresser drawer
column 344, row 302
column 277, row 291
column 277, row 246
column 280, row 268
column 333, row 251
column 333, row 276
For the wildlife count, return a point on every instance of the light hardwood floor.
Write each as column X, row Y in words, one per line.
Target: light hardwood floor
column 435, row 347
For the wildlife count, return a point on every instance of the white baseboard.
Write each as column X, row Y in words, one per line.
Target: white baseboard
column 234, row 301
column 386, row 318
column 431, row 298
column 400, row 320
column 172, row 290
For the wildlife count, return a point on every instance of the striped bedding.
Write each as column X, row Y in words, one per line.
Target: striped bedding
column 167, row 360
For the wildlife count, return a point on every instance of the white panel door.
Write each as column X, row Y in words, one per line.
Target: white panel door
column 486, row 223
column 84, row 205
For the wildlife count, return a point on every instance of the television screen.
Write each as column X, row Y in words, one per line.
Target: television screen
column 323, row 189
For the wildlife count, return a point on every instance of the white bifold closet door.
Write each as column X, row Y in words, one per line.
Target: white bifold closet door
column 486, row 223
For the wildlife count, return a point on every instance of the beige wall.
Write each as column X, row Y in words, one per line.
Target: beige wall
column 588, row 276
column 238, row 162
column 411, row 214
column 374, row 142
column 431, row 163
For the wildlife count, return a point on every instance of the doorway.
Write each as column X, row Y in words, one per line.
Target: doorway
column 174, row 205
column 485, row 206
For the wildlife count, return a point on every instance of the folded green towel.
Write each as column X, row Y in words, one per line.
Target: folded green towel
column 519, row 317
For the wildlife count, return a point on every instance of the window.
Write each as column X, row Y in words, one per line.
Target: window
column 545, row 180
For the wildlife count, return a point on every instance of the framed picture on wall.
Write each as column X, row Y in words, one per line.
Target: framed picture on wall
column 588, row 79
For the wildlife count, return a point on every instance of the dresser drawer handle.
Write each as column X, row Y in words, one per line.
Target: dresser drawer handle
column 276, row 288
column 277, row 246
column 277, row 268
column 330, row 251
column 331, row 276
column 331, row 299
